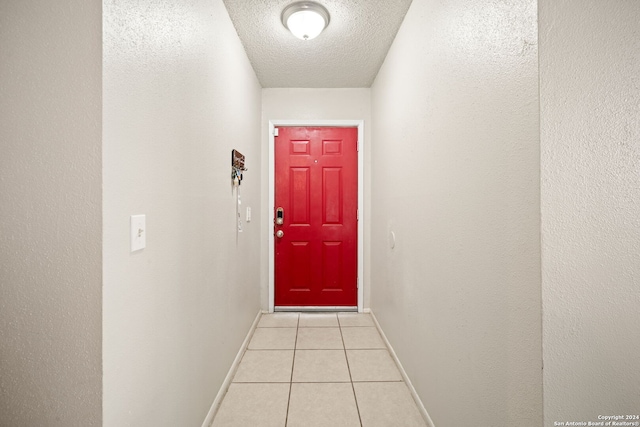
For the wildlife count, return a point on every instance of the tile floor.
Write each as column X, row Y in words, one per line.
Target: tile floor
column 317, row 369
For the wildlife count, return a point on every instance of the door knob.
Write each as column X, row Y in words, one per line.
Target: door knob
column 279, row 234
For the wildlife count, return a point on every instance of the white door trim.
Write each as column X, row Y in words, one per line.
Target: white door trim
column 271, row 205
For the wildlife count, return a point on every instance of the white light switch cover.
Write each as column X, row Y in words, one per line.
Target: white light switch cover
column 138, row 232
column 248, row 214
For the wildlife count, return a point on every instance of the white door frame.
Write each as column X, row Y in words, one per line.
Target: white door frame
column 316, row 123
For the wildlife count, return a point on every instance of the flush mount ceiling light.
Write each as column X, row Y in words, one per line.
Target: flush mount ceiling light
column 305, row 19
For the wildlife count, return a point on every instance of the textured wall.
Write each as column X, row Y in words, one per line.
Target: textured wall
column 50, row 214
column 455, row 162
column 590, row 143
column 314, row 104
column 179, row 95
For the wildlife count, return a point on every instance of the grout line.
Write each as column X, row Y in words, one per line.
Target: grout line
column 319, row 382
column 319, row 349
column 311, row 382
column 359, row 327
column 370, row 349
column 293, row 364
column 320, row 327
column 355, row 399
column 276, row 327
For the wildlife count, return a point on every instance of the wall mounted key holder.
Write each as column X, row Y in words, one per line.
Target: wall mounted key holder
column 237, row 166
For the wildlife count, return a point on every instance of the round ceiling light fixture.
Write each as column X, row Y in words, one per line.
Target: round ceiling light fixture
column 305, row 19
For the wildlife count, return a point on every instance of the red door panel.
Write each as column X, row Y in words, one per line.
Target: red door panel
column 316, row 184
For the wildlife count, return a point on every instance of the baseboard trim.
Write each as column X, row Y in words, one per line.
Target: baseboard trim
column 232, row 371
column 405, row 377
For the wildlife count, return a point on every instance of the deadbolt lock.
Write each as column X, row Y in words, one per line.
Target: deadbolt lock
column 280, row 216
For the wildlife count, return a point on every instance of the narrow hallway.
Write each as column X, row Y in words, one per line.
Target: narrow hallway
column 317, row 369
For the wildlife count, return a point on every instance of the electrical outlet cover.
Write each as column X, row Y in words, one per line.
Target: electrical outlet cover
column 138, row 232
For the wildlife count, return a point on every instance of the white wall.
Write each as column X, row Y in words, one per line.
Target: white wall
column 313, row 104
column 590, row 143
column 50, row 214
column 179, row 95
column 455, row 162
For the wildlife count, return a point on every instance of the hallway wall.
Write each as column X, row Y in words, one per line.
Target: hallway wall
column 590, row 142
column 314, row 104
column 179, row 95
column 456, row 158
column 50, row 214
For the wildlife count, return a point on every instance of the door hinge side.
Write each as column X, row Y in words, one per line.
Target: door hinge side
column 358, row 146
column 276, row 132
column 357, row 214
column 358, row 283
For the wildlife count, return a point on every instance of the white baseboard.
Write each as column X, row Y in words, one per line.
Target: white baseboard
column 405, row 377
column 232, row 371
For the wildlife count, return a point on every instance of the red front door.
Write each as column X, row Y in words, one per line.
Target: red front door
column 316, row 187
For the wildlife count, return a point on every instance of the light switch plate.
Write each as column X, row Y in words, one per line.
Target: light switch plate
column 248, row 214
column 138, row 232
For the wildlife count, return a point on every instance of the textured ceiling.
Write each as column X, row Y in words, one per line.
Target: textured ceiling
column 348, row 53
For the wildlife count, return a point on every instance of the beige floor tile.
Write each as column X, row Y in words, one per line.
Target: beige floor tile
column 362, row 337
column 322, row 405
column 279, row 320
column 318, row 320
column 387, row 404
column 273, row 339
column 355, row 319
column 372, row 365
column 265, row 366
column 323, row 366
column 319, row 339
column 245, row 405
